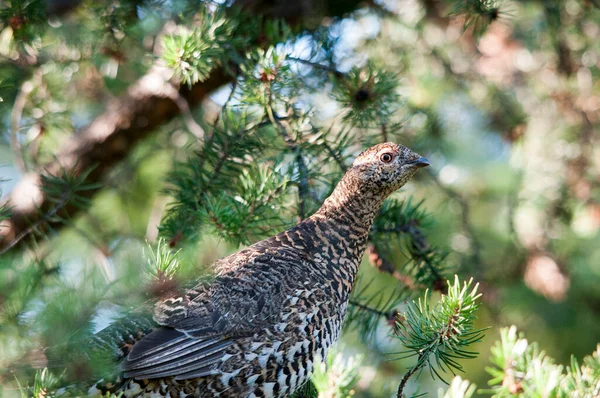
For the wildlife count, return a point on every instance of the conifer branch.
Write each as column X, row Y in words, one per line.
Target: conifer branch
column 64, row 190
column 107, row 140
column 375, row 311
column 409, row 374
column 146, row 105
column 316, row 65
column 283, row 128
column 440, row 335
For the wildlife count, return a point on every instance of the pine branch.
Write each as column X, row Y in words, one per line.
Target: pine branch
column 283, row 128
column 336, row 376
column 374, row 311
column 108, row 139
column 409, row 374
column 316, row 65
column 443, row 332
column 147, row 104
column 458, row 388
column 62, row 191
column 383, row 265
column 522, row 368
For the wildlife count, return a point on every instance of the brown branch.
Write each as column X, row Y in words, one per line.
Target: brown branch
column 147, row 104
column 382, row 265
column 409, row 374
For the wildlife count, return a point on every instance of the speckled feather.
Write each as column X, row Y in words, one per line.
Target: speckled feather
column 256, row 329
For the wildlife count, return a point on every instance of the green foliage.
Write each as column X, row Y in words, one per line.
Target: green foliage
column 458, row 388
column 5, row 211
column 43, row 384
column 440, row 336
column 242, row 216
column 199, row 185
column 193, row 54
column 336, row 376
column 268, row 79
column 26, row 18
column 163, row 263
column 308, row 390
column 62, row 190
column 68, row 189
column 583, row 380
column 522, row 369
column 302, row 105
column 20, row 283
column 369, row 96
column 478, row 14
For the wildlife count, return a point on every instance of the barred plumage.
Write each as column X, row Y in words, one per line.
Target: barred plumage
column 256, row 329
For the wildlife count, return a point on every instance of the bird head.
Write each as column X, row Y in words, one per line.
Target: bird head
column 386, row 167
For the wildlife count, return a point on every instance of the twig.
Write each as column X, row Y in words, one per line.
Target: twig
column 283, row 128
column 409, row 374
column 335, row 157
column 46, row 217
column 378, row 261
column 383, row 314
column 384, row 133
column 317, row 65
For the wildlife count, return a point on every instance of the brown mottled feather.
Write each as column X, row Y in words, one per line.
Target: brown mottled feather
column 256, row 329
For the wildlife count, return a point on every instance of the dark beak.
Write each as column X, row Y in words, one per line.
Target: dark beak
column 420, row 162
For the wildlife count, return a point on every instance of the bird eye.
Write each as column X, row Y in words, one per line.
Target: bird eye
column 386, row 157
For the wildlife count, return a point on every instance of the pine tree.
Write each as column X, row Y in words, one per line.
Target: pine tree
column 148, row 138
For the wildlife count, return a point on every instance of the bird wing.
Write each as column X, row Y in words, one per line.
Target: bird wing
column 199, row 326
column 168, row 352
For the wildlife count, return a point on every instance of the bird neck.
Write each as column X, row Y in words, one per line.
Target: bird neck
column 340, row 228
column 352, row 205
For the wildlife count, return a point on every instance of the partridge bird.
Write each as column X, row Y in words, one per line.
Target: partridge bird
column 256, row 329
